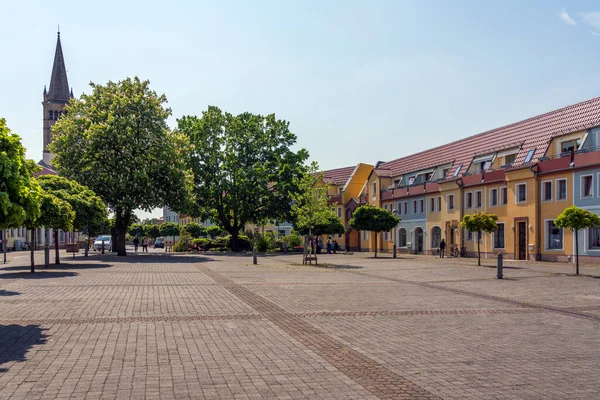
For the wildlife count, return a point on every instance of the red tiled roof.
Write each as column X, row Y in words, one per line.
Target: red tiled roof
column 338, row 176
column 533, row 133
column 382, row 172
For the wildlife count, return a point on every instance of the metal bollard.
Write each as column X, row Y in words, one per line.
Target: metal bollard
column 103, row 247
column 254, row 256
column 395, row 250
column 499, row 275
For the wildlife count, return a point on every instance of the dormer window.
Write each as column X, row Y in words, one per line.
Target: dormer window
column 482, row 163
column 569, row 145
column 411, row 180
column 509, row 159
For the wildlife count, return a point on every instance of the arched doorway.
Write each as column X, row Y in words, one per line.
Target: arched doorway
column 418, row 240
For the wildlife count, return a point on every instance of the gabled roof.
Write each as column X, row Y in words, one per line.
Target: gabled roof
column 338, row 176
column 533, row 133
column 45, row 169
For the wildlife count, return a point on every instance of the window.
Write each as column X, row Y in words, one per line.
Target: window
column 509, row 159
column 499, row 236
column 439, row 203
column 547, row 191
column 450, row 202
column 281, row 232
column 422, row 206
column 469, row 200
column 402, row 237
column 365, row 235
column 561, row 189
column 587, row 189
column 55, row 114
column 397, row 182
column 493, row 197
column 399, row 207
column 385, row 236
column 503, row 196
column 411, row 180
column 414, row 206
column 569, row 145
column 457, row 170
column 521, row 193
column 554, row 236
column 529, row 155
column 445, row 172
column 468, row 235
column 406, row 208
column 49, row 114
column 339, row 212
column 432, row 204
column 478, row 200
column 594, row 238
column 340, row 190
column 374, row 189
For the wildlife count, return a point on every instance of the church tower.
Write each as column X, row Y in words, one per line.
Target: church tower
column 55, row 99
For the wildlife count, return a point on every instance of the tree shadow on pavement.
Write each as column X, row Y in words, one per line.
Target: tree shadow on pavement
column 160, row 258
column 37, row 275
column 8, row 293
column 53, row 267
column 16, row 340
column 337, row 266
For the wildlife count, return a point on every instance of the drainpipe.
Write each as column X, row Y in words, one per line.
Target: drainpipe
column 538, row 212
column 462, row 211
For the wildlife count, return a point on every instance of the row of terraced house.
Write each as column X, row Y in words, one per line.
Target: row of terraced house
column 527, row 173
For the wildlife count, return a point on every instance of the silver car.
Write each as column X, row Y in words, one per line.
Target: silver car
column 107, row 243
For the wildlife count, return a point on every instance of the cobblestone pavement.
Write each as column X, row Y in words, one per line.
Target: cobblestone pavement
column 169, row 326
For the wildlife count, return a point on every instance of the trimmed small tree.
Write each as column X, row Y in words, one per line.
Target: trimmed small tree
column 54, row 213
column 576, row 219
column 169, row 229
column 152, row 231
column 194, row 229
column 90, row 211
column 480, row 222
column 213, row 231
column 373, row 219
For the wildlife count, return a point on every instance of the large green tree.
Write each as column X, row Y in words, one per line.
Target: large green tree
column 311, row 212
column 90, row 210
column 244, row 169
column 116, row 141
column 576, row 219
column 54, row 213
column 480, row 222
column 373, row 219
column 19, row 192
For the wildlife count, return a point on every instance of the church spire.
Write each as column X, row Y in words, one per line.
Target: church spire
column 59, row 85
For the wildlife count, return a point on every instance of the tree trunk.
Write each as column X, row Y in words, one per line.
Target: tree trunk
column 376, row 244
column 56, row 252
column 235, row 234
column 576, row 253
column 32, row 250
column 120, row 227
column 478, row 248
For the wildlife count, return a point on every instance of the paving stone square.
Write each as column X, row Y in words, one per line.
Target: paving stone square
column 215, row 326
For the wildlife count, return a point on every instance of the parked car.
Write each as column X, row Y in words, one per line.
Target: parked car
column 107, row 243
column 159, row 243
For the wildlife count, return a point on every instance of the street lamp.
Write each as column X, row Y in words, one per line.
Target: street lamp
column 395, row 212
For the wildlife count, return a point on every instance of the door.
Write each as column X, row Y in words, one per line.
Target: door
column 522, row 240
column 419, row 240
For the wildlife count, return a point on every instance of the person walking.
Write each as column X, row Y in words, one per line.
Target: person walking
column 144, row 244
column 328, row 244
column 442, row 248
column 136, row 243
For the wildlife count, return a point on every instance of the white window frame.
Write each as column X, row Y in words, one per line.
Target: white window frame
column 467, row 206
column 546, row 236
column 544, row 191
column 581, row 195
column 517, row 193
column 497, row 197
column 556, row 183
column 500, row 190
column 587, row 242
column 448, row 196
column 475, row 199
column 494, row 237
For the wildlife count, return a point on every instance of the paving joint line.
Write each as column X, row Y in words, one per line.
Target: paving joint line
column 557, row 310
column 363, row 370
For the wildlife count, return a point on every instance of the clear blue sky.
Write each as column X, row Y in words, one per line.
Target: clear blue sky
column 358, row 81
